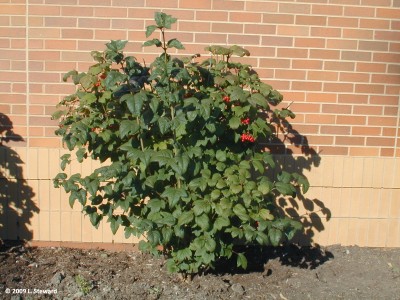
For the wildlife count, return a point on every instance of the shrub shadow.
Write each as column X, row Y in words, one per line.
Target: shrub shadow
column 16, row 204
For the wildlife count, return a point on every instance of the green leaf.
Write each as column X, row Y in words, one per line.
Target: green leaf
column 241, row 212
column 257, row 99
column 152, row 42
column 174, row 43
column 164, row 124
column 185, row 218
column 221, row 222
column 203, row 221
column 174, row 195
column 80, row 154
column 266, row 214
column 285, row 189
column 135, row 102
column 241, row 261
column 275, row 236
column 128, row 127
column 116, row 45
column 264, row 187
column 201, row 206
column 220, row 155
column 150, row 29
column 69, row 74
column 234, row 122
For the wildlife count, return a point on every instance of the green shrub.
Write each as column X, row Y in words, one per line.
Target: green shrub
column 185, row 168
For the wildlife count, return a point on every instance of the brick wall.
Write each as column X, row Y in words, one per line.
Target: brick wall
column 337, row 60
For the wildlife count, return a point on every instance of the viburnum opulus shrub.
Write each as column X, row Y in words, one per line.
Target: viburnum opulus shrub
column 184, row 169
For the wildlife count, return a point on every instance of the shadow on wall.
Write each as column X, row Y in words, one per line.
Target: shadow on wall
column 310, row 212
column 16, row 205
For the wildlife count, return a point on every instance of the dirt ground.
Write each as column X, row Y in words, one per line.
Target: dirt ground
column 291, row 272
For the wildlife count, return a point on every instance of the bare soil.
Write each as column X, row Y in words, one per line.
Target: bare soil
column 290, row 272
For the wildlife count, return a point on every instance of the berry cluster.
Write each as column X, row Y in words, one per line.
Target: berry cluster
column 247, row 137
column 245, row 121
column 226, row 99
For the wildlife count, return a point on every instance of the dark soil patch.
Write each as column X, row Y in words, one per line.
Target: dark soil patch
column 334, row 272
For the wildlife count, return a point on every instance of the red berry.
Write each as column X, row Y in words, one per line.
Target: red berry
column 226, row 99
column 98, row 83
column 103, row 76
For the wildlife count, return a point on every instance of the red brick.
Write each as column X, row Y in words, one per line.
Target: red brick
column 193, row 4
column 327, row 9
column 102, row 34
column 278, row 18
column 358, row 34
column 60, row 44
column 341, row 44
column 12, row 32
column 386, row 78
column 290, row 74
column 307, row 64
column 307, row 86
column 279, row 41
column 325, row 32
column 320, row 119
column 359, row 11
column 392, row 89
column 309, row 42
column 338, row 87
column 294, row 8
column 369, row 88
column 349, row 140
column 382, row 121
column 245, row 17
column 127, row 23
column 274, row 63
column 367, row 110
column 40, row 55
column 292, row 52
column 388, row 13
column 142, row 13
column 391, row 110
column 394, row 47
column 387, row 152
column 323, row 54
column 336, row 108
column 110, row 12
column 45, row 142
column 326, row 150
column 339, row 65
column 13, row 76
column 44, row 10
column 351, row 120
column 194, row 26
column 226, row 4
column 77, row 33
column 364, row 151
column 371, row 67
column 380, row 141
column 327, row 129
column 260, row 29
column 311, row 20
column 387, row 35
column 227, row 27
column 210, row 38
column 356, row 55
column 320, row 140
column 354, row 77
column 94, row 23
column 366, row 130
column 261, row 7
column 373, row 46
column 322, row 75
column 321, row 97
column 388, row 131
column 220, row 16
column 12, row 9
column 18, row 20
column 342, row 22
column 293, row 30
